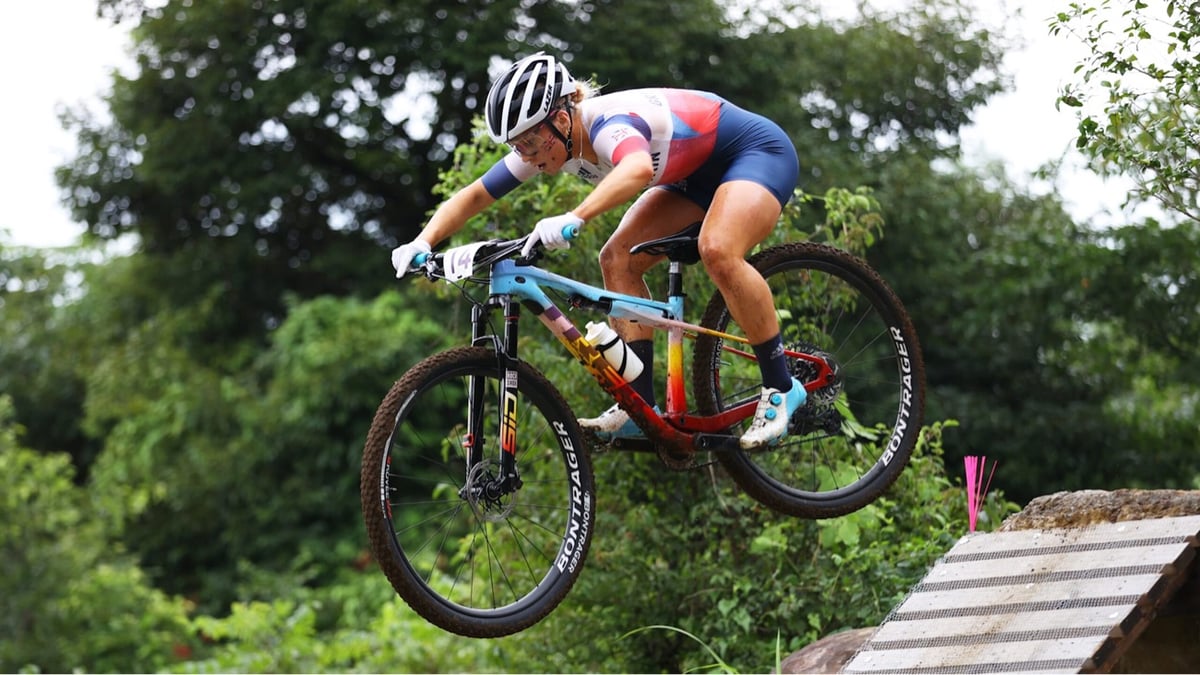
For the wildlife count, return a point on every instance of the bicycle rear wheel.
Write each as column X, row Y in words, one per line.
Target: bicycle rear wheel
column 469, row 559
column 849, row 442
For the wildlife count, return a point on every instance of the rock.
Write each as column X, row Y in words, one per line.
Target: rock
column 829, row 654
column 1090, row 507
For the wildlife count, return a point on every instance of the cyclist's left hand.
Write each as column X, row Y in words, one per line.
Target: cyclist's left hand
column 549, row 231
column 402, row 256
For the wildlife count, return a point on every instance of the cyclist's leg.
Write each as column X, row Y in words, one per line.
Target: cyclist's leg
column 751, row 177
column 657, row 213
column 742, row 214
column 862, row 421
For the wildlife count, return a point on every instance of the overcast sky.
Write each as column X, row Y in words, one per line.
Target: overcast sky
column 38, row 74
column 1022, row 128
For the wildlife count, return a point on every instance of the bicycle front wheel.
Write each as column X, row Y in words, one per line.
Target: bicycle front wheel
column 849, row 442
column 466, row 553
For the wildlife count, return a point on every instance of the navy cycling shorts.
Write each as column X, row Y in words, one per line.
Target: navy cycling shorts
column 748, row 147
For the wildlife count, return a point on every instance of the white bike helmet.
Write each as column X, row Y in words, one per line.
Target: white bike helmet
column 523, row 97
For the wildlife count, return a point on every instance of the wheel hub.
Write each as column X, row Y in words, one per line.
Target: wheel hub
column 488, row 496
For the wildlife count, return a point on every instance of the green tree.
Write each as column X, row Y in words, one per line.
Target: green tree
column 252, row 464
column 996, row 280
column 677, row 549
column 70, row 598
column 688, row 549
column 268, row 152
column 42, row 350
column 272, row 146
column 1137, row 95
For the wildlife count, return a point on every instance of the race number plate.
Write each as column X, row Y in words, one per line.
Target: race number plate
column 459, row 262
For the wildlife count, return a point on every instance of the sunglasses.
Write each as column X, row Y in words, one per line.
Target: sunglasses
column 531, row 142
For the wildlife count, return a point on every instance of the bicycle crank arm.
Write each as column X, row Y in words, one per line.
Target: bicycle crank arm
column 716, row 442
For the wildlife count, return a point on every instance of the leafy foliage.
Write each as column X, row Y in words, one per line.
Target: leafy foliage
column 998, row 299
column 275, row 144
column 69, row 597
column 1136, row 91
column 689, row 546
column 213, row 387
column 245, row 459
column 355, row 624
column 764, row 577
column 688, row 551
column 41, row 373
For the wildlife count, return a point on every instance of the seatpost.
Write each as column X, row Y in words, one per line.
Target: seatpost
column 675, row 281
column 676, row 398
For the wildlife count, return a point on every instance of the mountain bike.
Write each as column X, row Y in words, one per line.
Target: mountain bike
column 477, row 485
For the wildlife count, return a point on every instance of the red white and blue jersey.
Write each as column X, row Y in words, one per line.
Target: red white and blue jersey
column 696, row 140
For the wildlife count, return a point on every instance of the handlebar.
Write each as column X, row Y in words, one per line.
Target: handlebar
column 569, row 232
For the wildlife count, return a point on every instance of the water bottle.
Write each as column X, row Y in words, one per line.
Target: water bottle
column 615, row 351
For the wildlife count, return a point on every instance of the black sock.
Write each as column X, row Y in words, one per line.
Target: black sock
column 643, row 384
column 773, row 364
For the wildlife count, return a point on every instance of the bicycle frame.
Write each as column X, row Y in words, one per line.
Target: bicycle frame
column 489, row 548
column 676, row 428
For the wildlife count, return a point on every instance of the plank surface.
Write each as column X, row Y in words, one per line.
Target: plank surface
column 1143, row 559
column 1128, row 533
column 1006, row 657
column 1079, row 617
column 1067, row 600
column 1038, row 596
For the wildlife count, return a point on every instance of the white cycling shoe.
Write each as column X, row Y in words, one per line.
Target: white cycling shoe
column 771, row 417
column 612, row 424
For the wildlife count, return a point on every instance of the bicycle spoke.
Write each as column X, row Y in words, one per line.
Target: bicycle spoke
column 838, row 454
column 477, row 550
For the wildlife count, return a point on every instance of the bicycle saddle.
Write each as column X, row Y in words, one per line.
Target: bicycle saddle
column 680, row 247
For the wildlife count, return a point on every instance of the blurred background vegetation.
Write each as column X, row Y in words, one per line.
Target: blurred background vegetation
column 180, row 424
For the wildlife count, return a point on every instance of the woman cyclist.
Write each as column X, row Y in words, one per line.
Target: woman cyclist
column 702, row 158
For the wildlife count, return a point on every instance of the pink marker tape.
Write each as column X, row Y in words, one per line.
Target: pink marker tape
column 977, row 489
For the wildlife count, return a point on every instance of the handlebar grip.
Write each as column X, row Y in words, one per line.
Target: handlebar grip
column 569, row 232
column 420, row 258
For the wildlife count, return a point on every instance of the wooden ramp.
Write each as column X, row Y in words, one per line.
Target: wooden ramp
column 1047, row 601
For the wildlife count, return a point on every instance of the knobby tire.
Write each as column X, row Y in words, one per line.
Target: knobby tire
column 852, row 439
column 487, row 567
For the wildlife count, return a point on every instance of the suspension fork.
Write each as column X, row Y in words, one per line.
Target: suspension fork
column 507, row 361
column 505, row 347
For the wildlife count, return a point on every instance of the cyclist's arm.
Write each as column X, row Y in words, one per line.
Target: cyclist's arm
column 453, row 214
column 627, row 179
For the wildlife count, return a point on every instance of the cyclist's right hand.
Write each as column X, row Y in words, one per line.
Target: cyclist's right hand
column 402, row 256
column 553, row 233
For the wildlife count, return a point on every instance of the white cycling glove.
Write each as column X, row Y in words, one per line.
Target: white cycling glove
column 402, row 256
column 549, row 231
